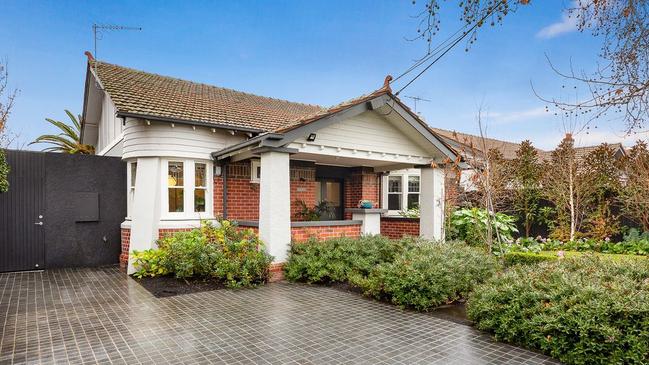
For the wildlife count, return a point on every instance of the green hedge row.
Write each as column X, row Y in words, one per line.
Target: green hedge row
column 408, row 272
column 526, row 258
column 580, row 310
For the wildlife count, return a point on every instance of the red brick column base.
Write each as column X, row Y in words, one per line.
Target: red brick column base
column 276, row 272
column 126, row 242
column 396, row 228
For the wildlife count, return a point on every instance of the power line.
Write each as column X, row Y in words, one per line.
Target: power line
column 448, row 48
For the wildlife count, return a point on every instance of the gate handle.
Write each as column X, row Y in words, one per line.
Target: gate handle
column 39, row 223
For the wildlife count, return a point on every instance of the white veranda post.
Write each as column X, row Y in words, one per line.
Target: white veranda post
column 431, row 203
column 145, row 212
column 275, row 204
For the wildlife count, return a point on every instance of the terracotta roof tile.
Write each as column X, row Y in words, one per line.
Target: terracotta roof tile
column 154, row 95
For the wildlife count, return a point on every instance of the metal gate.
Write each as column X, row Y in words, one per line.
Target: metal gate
column 61, row 210
column 21, row 212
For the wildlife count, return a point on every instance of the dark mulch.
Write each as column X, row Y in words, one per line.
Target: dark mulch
column 169, row 286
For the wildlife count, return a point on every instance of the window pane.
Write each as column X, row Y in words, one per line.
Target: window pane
column 258, row 172
column 333, row 193
column 199, row 175
column 394, row 201
column 318, row 192
column 176, row 200
column 394, row 184
column 199, row 200
column 413, row 184
column 175, row 177
column 413, row 201
column 133, row 173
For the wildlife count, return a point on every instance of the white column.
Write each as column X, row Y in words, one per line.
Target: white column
column 145, row 212
column 431, row 204
column 275, row 204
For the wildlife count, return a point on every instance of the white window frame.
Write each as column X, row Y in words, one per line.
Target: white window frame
column 130, row 188
column 255, row 165
column 189, row 166
column 403, row 174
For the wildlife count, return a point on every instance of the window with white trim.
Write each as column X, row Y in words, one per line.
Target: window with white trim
column 401, row 191
column 131, row 175
column 188, row 193
column 255, row 171
column 175, row 186
column 200, row 187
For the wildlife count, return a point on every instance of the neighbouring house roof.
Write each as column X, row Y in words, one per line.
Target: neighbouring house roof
column 469, row 142
column 150, row 95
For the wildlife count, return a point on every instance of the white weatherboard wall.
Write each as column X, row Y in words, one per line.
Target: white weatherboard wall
column 145, row 215
column 110, row 127
column 174, row 140
column 275, row 204
column 367, row 132
column 431, row 203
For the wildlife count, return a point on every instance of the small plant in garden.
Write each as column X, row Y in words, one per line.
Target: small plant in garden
column 223, row 252
column 470, row 225
column 584, row 310
column 410, row 213
column 320, row 211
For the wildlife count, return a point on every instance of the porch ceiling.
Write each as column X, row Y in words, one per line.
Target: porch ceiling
column 385, row 164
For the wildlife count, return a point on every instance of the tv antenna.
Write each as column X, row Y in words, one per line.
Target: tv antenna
column 416, row 99
column 98, row 28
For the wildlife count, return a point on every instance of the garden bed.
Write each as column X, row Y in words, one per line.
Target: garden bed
column 169, row 286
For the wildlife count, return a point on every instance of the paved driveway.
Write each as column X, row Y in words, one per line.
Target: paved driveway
column 102, row 316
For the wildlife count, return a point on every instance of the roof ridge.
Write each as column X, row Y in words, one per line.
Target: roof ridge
column 205, row 84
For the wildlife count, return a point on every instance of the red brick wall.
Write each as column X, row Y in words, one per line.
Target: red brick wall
column 243, row 195
column 396, row 228
column 126, row 242
column 361, row 184
column 163, row 232
column 302, row 234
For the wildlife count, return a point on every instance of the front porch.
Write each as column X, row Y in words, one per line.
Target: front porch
column 269, row 195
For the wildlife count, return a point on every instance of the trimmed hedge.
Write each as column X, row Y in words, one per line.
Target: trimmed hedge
column 585, row 310
column 408, row 272
column 526, row 258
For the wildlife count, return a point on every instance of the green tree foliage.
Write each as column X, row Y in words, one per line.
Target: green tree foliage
column 602, row 175
column 526, row 183
column 4, row 172
column 69, row 140
column 564, row 187
column 635, row 193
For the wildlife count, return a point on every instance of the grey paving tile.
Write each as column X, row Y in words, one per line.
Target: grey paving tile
column 101, row 316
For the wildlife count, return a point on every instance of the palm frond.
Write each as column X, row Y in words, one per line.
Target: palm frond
column 69, row 140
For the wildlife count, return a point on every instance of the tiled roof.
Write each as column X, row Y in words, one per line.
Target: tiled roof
column 470, row 141
column 153, row 95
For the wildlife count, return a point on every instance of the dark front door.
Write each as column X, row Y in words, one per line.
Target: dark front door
column 330, row 191
column 21, row 213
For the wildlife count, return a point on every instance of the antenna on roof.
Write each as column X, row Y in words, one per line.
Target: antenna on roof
column 416, row 99
column 98, row 28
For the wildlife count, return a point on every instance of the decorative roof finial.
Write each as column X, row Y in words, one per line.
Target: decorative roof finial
column 89, row 55
column 386, row 83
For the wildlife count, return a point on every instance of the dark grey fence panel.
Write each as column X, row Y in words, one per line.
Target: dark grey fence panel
column 21, row 230
column 84, row 202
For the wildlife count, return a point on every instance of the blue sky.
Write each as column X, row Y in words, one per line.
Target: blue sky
column 319, row 52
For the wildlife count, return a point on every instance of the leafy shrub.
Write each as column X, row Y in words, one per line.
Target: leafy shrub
column 408, row 272
column 4, row 172
column 583, row 310
column 149, row 263
column 339, row 259
column 526, row 258
column 470, row 225
column 429, row 275
column 223, row 252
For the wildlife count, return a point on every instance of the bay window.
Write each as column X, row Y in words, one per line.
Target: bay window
column 188, row 193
